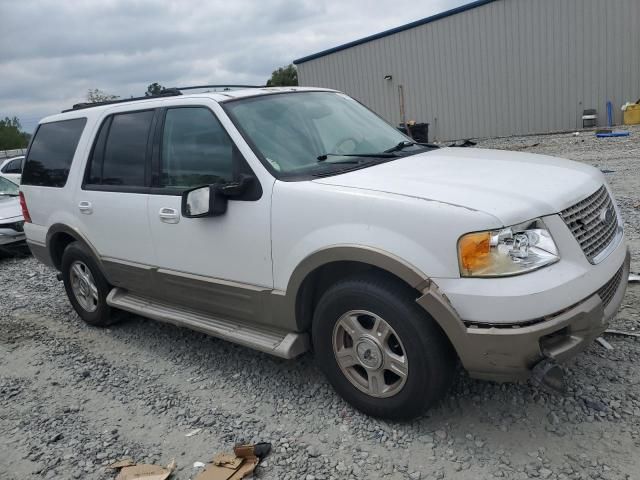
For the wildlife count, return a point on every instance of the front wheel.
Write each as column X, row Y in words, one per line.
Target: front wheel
column 380, row 351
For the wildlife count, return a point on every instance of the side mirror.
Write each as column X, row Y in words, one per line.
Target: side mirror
column 212, row 200
column 207, row 201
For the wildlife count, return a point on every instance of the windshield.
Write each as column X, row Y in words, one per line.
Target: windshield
column 301, row 133
column 8, row 188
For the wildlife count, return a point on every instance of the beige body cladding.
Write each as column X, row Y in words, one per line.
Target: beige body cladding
column 269, row 320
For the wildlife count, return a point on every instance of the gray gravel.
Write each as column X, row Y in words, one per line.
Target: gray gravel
column 75, row 398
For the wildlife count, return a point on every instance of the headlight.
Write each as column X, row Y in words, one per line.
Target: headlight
column 509, row 251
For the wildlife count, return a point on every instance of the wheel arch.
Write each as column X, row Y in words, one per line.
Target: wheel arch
column 59, row 236
column 323, row 267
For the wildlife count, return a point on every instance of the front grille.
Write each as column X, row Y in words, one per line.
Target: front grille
column 590, row 224
column 608, row 290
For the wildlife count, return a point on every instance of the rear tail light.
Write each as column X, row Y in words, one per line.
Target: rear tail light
column 25, row 210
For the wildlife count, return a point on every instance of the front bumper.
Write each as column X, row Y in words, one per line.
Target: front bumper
column 508, row 352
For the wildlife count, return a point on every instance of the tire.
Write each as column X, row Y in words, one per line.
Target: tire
column 427, row 359
column 93, row 310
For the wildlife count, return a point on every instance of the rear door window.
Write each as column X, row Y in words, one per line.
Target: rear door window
column 51, row 153
column 120, row 154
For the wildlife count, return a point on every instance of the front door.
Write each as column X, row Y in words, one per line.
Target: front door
column 221, row 265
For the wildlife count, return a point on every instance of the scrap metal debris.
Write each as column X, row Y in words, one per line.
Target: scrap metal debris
column 240, row 464
column 613, row 331
column 466, row 143
column 604, row 343
column 612, row 134
column 129, row 470
column 525, row 147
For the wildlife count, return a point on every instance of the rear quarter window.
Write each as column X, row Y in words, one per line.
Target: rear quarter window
column 51, row 153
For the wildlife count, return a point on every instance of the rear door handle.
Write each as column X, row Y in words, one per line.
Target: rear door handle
column 85, row 207
column 169, row 215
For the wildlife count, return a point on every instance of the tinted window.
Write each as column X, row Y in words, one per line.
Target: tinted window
column 196, row 149
column 51, row 153
column 14, row 166
column 120, row 160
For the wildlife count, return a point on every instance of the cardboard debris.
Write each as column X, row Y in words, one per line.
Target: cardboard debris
column 125, row 462
column 132, row 471
column 228, row 460
column 236, row 466
column 604, row 343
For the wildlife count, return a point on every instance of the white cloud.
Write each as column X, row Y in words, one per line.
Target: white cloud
column 53, row 52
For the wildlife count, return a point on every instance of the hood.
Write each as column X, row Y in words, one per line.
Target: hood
column 511, row 186
column 10, row 209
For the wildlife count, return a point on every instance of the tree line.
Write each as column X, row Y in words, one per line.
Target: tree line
column 281, row 77
column 12, row 136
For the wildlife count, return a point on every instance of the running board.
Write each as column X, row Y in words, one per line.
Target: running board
column 269, row 340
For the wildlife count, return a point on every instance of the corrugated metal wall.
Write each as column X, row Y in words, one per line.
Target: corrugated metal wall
column 506, row 68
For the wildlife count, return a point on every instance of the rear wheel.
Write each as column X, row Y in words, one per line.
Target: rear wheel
column 85, row 285
column 380, row 351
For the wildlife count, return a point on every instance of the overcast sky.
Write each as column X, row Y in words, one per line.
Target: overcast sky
column 52, row 52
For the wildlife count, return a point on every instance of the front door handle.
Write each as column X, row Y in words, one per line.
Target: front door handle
column 85, row 207
column 169, row 215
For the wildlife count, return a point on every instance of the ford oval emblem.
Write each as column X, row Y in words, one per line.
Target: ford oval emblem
column 607, row 215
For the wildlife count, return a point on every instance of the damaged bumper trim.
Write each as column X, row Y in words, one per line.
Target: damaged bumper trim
column 509, row 352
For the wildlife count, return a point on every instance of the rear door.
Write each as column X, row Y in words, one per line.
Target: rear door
column 217, row 264
column 112, row 204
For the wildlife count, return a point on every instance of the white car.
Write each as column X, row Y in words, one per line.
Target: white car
column 289, row 219
column 11, row 221
column 11, row 168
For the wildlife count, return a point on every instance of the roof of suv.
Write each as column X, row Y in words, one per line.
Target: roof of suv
column 221, row 96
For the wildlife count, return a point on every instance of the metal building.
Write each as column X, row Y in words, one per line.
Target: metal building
column 494, row 67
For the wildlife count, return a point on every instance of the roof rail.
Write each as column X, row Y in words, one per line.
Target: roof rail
column 167, row 92
column 220, row 86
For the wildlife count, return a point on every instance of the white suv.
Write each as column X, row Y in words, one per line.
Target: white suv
column 286, row 219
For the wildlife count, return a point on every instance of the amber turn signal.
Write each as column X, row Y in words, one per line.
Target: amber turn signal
column 473, row 250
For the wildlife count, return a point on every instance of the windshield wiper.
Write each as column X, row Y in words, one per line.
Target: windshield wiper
column 405, row 143
column 324, row 156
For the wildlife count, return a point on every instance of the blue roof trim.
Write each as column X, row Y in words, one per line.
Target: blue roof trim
column 401, row 28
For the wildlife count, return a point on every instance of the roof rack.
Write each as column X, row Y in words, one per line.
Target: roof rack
column 220, row 86
column 166, row 92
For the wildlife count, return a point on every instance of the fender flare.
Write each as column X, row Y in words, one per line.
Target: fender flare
column 375, row 257
column 57, row 228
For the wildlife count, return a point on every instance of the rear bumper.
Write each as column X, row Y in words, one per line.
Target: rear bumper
column 10, row 240
column 40, row 252
column 508, row 352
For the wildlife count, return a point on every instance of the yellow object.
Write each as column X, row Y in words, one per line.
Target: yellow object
column 632, row 115
column 474, row 250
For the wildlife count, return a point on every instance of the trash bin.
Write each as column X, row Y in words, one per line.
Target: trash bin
column 418, row 131
column 632, row 115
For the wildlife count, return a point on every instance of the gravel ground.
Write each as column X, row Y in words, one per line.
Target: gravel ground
column 75, row 398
